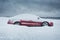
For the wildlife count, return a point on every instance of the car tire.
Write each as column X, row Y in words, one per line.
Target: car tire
column 45, row 23
column 18, row 23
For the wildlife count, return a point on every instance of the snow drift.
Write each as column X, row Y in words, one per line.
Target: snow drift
column 16, row 32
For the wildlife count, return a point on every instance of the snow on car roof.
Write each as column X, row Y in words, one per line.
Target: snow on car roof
column 26, row 17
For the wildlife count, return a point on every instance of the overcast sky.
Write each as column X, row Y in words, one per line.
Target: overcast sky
column 39, row 7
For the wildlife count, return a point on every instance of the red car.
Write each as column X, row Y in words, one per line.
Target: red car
column 31, row 23
column 29, row 20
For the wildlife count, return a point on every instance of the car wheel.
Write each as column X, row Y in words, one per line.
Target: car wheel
column 45, row 23
column 18, row 23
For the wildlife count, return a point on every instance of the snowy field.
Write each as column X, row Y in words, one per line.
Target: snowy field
column 16, row 32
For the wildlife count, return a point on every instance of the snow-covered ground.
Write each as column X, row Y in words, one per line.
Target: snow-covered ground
column 16, row 32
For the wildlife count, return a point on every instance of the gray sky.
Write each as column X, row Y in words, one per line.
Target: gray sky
column 39, row 7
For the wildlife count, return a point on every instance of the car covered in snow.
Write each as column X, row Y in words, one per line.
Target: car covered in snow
column 29, row 20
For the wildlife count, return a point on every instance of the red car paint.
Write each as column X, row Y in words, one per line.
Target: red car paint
column 30, row 23
column 10, row 22
column 50, row 24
